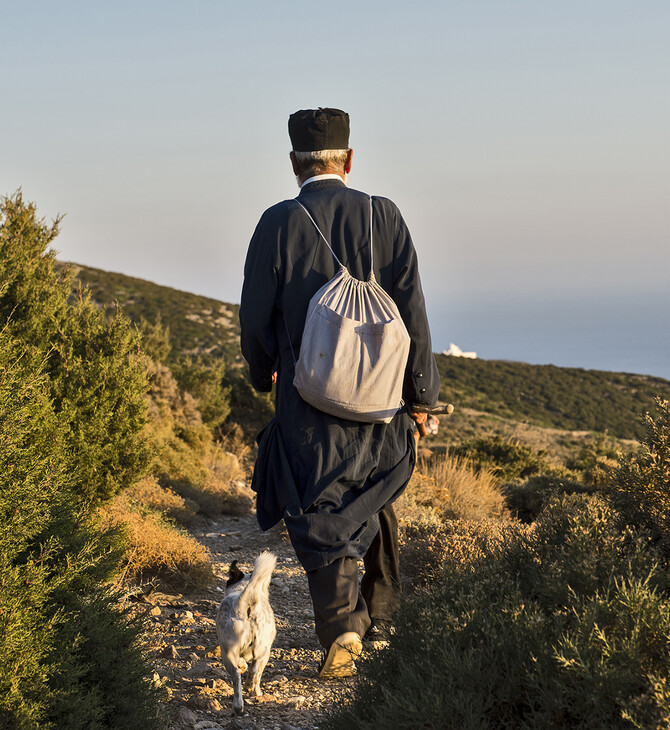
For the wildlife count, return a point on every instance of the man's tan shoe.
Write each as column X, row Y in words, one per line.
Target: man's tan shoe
column 339, row 660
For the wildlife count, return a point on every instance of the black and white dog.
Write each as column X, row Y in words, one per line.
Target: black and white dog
column 245, row 625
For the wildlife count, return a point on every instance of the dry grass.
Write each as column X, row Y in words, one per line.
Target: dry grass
column 148, row 493
column 226, row 464
column 447, row 488
column 444, row 500
column 156, row 549
column 209, row 476
column 216, row 497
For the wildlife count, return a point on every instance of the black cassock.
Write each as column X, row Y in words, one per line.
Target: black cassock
column 328, row 477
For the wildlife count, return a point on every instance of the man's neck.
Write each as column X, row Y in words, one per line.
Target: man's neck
column 325, row 176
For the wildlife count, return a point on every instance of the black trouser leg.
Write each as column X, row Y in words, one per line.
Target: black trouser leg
column 381, row 583
column 338, row 604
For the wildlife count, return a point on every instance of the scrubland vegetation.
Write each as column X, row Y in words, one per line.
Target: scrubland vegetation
column 102, row 456
column 565, row 398
column 557, row 620
column 535, row 539
column 72, row 417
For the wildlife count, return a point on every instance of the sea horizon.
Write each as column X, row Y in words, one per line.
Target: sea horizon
column 608, row 333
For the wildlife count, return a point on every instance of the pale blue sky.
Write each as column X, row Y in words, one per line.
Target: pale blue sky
column 526, row 142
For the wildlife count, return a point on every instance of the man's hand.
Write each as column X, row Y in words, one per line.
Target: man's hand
column 418, row 418
column 274, row 378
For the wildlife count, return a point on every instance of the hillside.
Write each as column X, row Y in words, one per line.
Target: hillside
column 570, row 399
column 197, row 324
column 552, row 397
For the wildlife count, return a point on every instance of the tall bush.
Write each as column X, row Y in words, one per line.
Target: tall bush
column 96, row 376
column 72, row 405
column 203, row 378
column 30, row 478
column 641, row 485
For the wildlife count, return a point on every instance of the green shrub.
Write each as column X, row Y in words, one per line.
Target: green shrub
column 203, row 378
column 103, row 681
column 30, row 480
column 561, row 624
column 72, row 405
column 58, row 624
column 188, row 461
column 508, row 459
column 596, row 461
column 613, row 664
column 100, row 677
column 98, row 385
column 96, row 378
column 641, row 485
column 526, row 500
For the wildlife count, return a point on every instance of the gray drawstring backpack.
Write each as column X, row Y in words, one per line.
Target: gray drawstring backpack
column 354, row 347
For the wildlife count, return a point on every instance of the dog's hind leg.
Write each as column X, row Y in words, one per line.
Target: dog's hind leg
column 230, row 662
column 252, row 682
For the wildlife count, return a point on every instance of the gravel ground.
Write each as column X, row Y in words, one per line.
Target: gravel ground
column 186, row 656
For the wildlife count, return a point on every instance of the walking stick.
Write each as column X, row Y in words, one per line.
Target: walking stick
column 439, row 409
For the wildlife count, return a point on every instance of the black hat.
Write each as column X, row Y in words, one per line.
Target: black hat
column 319, row 129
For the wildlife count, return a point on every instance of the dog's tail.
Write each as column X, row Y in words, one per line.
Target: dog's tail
column 260, row 581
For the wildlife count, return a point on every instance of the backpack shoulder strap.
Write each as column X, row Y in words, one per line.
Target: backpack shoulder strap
column 372, row 248
column 325, row 240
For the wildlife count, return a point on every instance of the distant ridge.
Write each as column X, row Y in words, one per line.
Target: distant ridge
column 552, row 396
column 197, row 324
column 544, row 395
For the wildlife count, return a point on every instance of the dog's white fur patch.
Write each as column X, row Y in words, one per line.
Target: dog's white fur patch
column 245, row 625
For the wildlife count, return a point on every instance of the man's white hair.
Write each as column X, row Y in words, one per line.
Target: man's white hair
column 318, row 160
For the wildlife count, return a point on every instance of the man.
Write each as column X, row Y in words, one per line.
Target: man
column 333, row 481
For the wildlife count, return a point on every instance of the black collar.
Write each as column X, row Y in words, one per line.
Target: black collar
column 317, row 185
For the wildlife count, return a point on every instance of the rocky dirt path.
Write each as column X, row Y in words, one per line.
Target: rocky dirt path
column 186, row 655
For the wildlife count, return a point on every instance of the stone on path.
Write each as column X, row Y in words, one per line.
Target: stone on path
column 186, row 717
